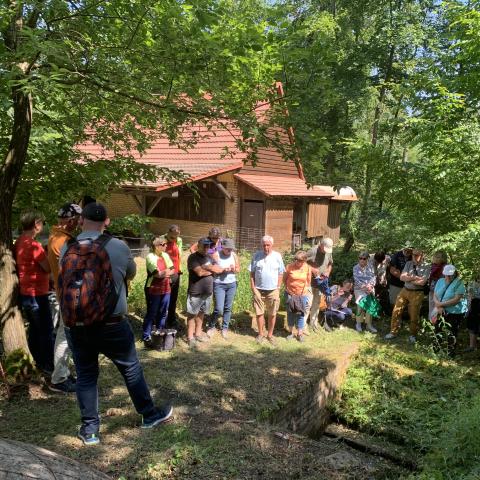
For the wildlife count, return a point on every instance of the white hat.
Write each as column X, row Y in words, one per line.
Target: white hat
column 449, row 270
column 327, row 244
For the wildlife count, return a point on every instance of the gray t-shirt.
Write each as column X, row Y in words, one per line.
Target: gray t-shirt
column 421, row 270
column 123, row 266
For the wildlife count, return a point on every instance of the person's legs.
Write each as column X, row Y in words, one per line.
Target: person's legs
column 259, row 306
column 161, row 319
column 272, row 302
column 219, row 293
column 172, row 306
column 230, row 291
column 40, row 330
column 334, row 317
column 117, row 342
column 193, row 308
column 315, row 308
column 61, row 371
column 85, row 356
column 414, row 306
column 199, row 324
column 401, row 303
column 153, row 307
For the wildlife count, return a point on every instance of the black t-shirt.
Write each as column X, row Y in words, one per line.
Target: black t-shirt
column 398, row 261
column 199, row 285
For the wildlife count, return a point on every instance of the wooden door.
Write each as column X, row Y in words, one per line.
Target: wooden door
column 252, row 224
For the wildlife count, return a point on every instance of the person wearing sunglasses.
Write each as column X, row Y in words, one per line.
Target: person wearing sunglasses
column 364, row 280
column 157, row 288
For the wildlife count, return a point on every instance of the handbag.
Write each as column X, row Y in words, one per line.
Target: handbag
column 371, row 305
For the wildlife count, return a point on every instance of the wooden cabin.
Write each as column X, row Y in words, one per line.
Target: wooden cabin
column 245, row 201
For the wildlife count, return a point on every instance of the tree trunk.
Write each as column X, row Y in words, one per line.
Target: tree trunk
column 11, row 323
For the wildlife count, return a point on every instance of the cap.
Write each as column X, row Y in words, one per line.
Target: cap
column 69, row 210
column 204, row 241
column 449, row 269
column 228, row 243
column 95, row 212
column 327, row 244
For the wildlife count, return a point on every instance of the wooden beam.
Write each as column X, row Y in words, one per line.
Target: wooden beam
column 138, row 202
column 155, row 203
column 223, row 189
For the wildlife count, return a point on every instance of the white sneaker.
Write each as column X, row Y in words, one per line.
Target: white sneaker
column 412, row 339
column 372, row 329
column 358, row 327
column 211, row 332
column 389, row 336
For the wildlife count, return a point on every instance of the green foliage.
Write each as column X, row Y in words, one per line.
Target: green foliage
column 19, row 366
column 132, row 225
column 427, row 404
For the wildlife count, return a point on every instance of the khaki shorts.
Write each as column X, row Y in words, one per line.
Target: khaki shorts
column 266, row 301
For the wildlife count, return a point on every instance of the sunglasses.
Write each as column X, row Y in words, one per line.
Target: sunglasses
column 161, row 244
column 362, row 258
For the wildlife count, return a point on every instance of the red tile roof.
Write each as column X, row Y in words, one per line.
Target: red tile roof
column 283, row 186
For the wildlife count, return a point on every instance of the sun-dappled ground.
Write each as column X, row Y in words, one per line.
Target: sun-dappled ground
column 223, row 394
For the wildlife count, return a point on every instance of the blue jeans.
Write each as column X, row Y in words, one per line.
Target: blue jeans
column 224, row 296
column 337, row 317
column 36, row 311
column 115, row 341
column 296, row 319
column 157, row 312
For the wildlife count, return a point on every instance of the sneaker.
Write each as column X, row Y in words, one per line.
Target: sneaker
column 290, row 337
column 315, row 328
column 372, row 329
column 202, row 338
column 224, row 333
column 192, row 342
column 147, row 342
column 301, row 338
column 63, row 387
column 390, row 336
column 327, row 327
column 161, row 415
column 259, row 338
column 272, row 341
column 358, row 327
column 88, row 438
column 412, row 339
column 211, row 332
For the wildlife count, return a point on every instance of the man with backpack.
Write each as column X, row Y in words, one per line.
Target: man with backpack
column 94, row 270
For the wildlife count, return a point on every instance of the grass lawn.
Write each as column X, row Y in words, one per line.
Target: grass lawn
column 428, row 404
column 222, row 394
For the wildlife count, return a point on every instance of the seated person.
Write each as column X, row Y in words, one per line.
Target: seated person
column 337, row 307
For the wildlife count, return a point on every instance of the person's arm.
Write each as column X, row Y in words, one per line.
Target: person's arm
column 394, row 270
column 328, row 270
column 252, row 281
column 214, row 268
column 405, row 276
column 40, row 257
column 451, row 302
column 201, row 272
column 280, row 280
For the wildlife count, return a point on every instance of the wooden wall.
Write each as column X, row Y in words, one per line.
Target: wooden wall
column 323, row 219
column 279, row 222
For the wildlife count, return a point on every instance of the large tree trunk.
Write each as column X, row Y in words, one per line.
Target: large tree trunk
column 11, row 323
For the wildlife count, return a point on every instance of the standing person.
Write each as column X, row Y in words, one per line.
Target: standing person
column 96, row 324
column 473, row 318
column 33, row 273
column 381, row 263
column 338, row 310
column 297, row 278
column 397, row 264
column 224, row 287
column 450, row 301
column 215, row 245
column 200, row 290
column 157, row 288
column 364, row 280
column 415, row 276
column 63, row 232
column 321, row 260
column 174, row 250
column 439, row 260
column 266, row 275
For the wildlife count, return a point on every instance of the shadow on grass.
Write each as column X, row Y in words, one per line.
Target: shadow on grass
column 220, row 392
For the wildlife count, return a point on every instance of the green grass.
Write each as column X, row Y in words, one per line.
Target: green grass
column 429, row 405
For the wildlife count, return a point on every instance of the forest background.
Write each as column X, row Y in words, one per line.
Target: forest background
column 383, row 96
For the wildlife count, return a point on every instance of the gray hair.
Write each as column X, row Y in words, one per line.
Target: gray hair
column 267, row 238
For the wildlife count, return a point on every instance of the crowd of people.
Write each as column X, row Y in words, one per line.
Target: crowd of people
column 73, row 294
